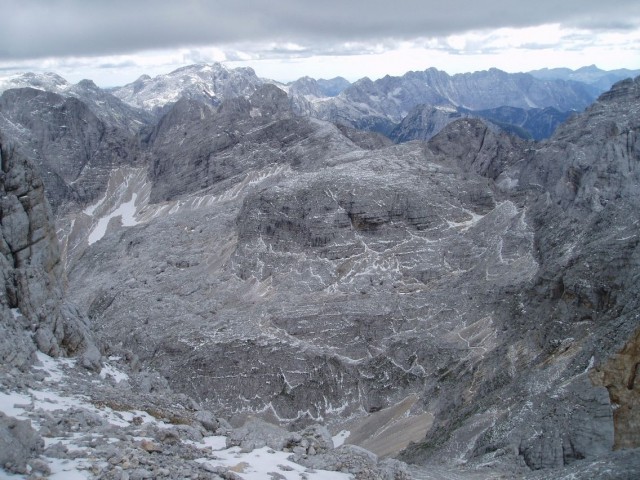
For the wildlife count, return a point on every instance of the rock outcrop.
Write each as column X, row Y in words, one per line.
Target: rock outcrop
column 72, row 148
column 18, row 443
column 31, row 298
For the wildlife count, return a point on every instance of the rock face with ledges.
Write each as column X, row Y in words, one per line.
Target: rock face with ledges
column 196, row 146
column 302, row 270
column 31, row 296
column 581, row 308
column 72, row 148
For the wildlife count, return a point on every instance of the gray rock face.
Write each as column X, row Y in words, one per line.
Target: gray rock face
column 31, row 296
column 196, row 146
column 322, row 268
column 584, row 312
column 72, row 148
column 18, row 443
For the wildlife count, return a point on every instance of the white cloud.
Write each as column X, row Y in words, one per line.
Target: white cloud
column 510, row 49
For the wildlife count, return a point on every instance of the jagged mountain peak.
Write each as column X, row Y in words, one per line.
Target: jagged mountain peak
column 307, row 86
column 42, row 81
column 614, row 112
column 210, row 83
column 382, row 104
column 627, row 88
column 87, row 84
column 591, row 74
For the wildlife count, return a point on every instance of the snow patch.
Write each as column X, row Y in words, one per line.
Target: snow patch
column 340, row 438
column 63, row 469
column 12, row 404
column 111, row 371
column 52, row 367
column 125, row 211
column 262, row 462
column 214, row 442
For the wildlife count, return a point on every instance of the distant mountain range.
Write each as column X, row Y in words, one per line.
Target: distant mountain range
column 591, row 75
column 530, row 105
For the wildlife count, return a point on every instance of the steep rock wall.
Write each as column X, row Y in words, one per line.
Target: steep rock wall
column 31, row 297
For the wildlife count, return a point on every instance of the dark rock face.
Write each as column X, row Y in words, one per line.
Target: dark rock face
column 196, row 146
column 532, row 123
column 72, row 148
column 590, row 75
column 31, row 297
column 18, row 443
column 424, row 122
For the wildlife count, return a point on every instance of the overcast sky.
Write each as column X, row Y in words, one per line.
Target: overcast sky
column 115, row 41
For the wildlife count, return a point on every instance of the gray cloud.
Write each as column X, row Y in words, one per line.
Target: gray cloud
column 124, row 64
column 43, row 28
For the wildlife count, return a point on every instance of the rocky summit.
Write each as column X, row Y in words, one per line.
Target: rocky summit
column 207, row 278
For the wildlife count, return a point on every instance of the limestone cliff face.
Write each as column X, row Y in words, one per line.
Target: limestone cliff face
column 31, row 297
column 72, row 147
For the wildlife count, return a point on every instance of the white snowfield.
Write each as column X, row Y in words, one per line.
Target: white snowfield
column 258, row 464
